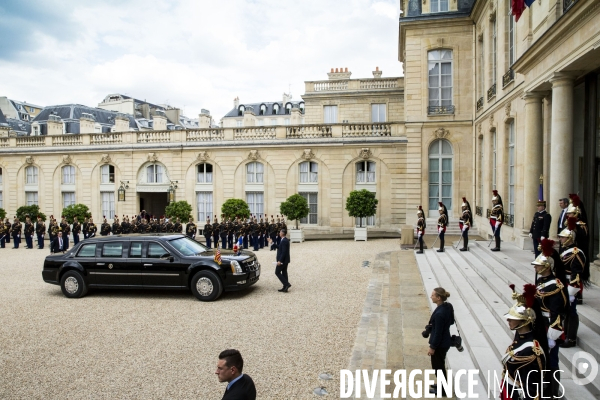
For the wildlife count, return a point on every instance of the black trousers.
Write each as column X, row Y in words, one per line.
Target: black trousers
column 438, row 359
column 282, row 275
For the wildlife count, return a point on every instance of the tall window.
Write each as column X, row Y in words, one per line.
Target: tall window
column 481, row 172
column 31, row 175
column 494, row 52
column 309, row 172
column 31, row 198
column 365, row 172
column 155, row 173
column 481, row 70
column 255, row 201
column 68, row 175
column 204, row 201
column 1, row 202
column 511, row 38
column 108, row 204
column 440, row 77
column 378, row 113
column 68, row 199
column 205, row 173
column 440, row 174
column 312, row 199
column 330, row 114
column 107, row 174
column 254, row 172
column 494, row 153
column 439, row 5
column 511, row 168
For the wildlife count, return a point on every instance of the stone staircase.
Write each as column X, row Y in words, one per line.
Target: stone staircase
column 451, row 229
column 478, row 282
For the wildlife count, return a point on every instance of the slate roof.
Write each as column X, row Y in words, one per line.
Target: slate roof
column 21, row 127
column 71, row 113
column 269, row 111
column 3, row 121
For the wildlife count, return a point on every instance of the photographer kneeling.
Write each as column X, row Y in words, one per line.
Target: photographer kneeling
column 438, row 332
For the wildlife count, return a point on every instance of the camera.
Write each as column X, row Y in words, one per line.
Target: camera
column 427, row 331
column 456, row 341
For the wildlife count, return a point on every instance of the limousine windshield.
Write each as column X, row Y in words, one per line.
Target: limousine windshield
column 187, row 246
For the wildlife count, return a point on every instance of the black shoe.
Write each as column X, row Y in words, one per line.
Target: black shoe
column 283, row 289
column 464, row 249
column 495, row 249
column 567, row 344
column 419, row 252
column 440, row 250
column 579, row 301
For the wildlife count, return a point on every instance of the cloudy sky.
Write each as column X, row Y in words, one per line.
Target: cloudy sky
column 190, row 54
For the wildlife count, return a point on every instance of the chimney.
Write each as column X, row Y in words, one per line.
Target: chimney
column 339, row 74
column 160, row 121
column 377, row 73
column 86, row 123
column 204, row 119
column 55, row 125
column 121, row 123
column 236, row 102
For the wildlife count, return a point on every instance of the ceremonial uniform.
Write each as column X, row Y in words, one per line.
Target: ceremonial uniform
column 215, row 232
column 442, row 223
column 76, row 231
column 169, row 227
column 28, row 230
column 177, row 227
column 66, row 230
column 7, row 226
column 190, row 229
column 277, row 230
column 496, row 218
column 540, row 228
column 207, row 232
column 254, row 230
column 92, row 229
column 273, row 233
column 223, row 233
column 421, row 225
column 230, row 232
column 465, row 223
column 15, row 231
column 3, row 234
column 40, row 231
column 52, row 229
column 84, row 228
column 116, row 227
column 244, row 233
column 105, row 228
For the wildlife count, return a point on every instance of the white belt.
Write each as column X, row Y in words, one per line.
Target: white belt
column 546, row 314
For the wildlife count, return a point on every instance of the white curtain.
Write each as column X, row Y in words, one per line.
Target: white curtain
column 104, row 173
column 31, row 198
column 259, row 173
column 304, row 172
column 314, row 172
column 68, row 199
column 371, row 171
column 204, row 201
column 360, row 172
column 68, row 174
column 108, row 204
column 250, row 172
column 31, row 174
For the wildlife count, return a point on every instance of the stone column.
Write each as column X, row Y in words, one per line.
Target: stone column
column 533, row 165
column 561, row 141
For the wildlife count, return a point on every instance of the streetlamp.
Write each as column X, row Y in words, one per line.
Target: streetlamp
column 121, row 191
column 171, row 191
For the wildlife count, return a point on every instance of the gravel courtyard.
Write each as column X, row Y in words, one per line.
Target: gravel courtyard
column 164, row 344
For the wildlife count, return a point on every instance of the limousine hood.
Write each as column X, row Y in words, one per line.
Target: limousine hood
column 229, row 254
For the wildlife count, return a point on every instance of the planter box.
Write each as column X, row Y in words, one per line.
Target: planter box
column 296, row 235
column 360, row 234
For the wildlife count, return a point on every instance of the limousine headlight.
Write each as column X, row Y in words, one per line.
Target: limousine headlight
column 236, row 269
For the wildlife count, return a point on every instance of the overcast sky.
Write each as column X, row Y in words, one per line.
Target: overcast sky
column 191, row 54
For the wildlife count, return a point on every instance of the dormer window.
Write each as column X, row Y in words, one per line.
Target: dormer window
column 241, row 110
column 275, row 108
column 263, row 109
column 288, row 108
column 439, row 5
column 301, row 106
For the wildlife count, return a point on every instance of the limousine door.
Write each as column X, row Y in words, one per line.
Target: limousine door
column 112, row 266
column 162, row 269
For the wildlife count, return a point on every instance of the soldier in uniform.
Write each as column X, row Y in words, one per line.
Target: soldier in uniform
column 215, row 232
column 277, row 230
column 76, row 230
column 66, row 230
column 207, row 231
column 177, row 227
column 261, row 227
column 496, row 218
column 223, row 232
column 143, row 226
column 116, row 226
column 105, row 228
column 84, row 228
column 134, row 226
column 525, row 359
column 230, row 233
column 190, row 228
column 254, row 230
column 40, row 231
column 574, row 261
column 540, row 226
column 7, row 226
column 421, row 225
column 3, row 234
column 465, row 223
column 52, row 229
column 92, row 229
column 170, row 227
column 15, row 231
column 273, row 233
column 28, row 230
column 442, row 223
column 576, row 209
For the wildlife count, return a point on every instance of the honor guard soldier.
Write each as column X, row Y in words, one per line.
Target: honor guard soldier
column 223, row 232
column 76, row 230
column 551, row 297
column 28, row 230
column 273, row 233
column 177, row 227
column 540, row 226
column 442, row 223
column 15, row 231
column 207, row 232
column 230, row 233
column 125, row 226
column 574, row 260
column 190, row 228
column 496, row 218
column 244, row 233
column 143, row 227
column 66, row 231
column 216, row 232
column 421, row 225
column 7, row 225
column 525, row 359
column 254, row 232
column 105, row 228
column 261, row 226
column 52, row 229
column 162, row 225
column 116, row 226
column 576, row 209
column 84, row 228
column 465, row 223
column 92, row 229
column 40, row 231
column 170, row 226
column 134, row 226
column 3, row 234
column 278, row 229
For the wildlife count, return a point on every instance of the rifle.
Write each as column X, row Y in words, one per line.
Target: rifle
column 493, row 235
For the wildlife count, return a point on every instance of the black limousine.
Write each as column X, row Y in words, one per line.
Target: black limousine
column 150, row 261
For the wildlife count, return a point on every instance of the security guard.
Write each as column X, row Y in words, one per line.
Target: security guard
column 28, row 230
column 442, row 223
column 465, row 223
column 15, row 231
column 190, row 228
column 540, row 226
column 207, row 231
column 76, row 230
column 421, row 225
column 40, row 231
column 496, row 218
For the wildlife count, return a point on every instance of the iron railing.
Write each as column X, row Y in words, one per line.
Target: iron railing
column 488, row 213
column 478, row 211
column 491, row 92
column 440, row 110
column 509, row 220
column 508, row 77
column 480, row 103
column 568, row 4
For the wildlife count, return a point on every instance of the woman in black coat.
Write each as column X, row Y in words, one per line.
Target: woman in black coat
column 439, row 336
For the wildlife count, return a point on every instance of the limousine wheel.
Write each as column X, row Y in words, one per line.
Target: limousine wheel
column 206, row 286
column 72, row 284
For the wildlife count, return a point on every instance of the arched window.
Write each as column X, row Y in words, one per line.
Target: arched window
column 205, row 173
column 365, row 172
column 309, row 172
column 288, row 108
column 68, row 175
column 241, row 110
column 440, row 174
column 263, row 109
column 254, row 172
column 275, row 108
column 31, row 175
column 154, row 173
column 107, row 174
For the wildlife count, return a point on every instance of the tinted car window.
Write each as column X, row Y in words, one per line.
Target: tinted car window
column 135, row 250
column 187, row 246
column 112, row 249
column 155, row 250
column 87, row 250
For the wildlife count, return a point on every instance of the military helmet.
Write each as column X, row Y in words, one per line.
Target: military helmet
column 569, row 231
column 545, row 259
column 521, row 310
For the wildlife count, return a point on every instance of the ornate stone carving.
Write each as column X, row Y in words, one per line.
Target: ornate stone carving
column 480, row 36
column 441, row 133
column 67, row 159
column 105, row 159
column 491, row 119
column 308, row 154
column 479, row 129
column 507, row 109
column 365, row 153
column 152, row 157
column 253, row 155
column 29, row 160
column 203, row 156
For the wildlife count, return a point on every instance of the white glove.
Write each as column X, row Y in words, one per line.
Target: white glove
column 542, row 238
column 551, row 343
column 530, row 235
column 439, row 229
column 419, row 234
column 571, row 298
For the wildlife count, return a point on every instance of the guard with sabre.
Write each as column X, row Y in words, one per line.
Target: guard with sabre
column 421, row 225
column 465, row 222
column 442, row 223
column 496, row 219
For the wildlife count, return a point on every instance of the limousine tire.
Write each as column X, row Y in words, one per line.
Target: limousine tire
column 73, row 285
column 206, row 286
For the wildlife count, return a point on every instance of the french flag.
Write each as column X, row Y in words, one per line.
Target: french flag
column 518, row 6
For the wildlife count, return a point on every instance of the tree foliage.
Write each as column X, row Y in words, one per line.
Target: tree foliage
column 33, row 211
column 295, row 208
column 2, row 213
column 235, row 208
column 81, row 211
column 361, row 204
column 179, row 209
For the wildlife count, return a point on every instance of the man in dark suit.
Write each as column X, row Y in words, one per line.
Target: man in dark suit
column 229, row 369
column 58, row 245
column 283, row 259
column 562, row 219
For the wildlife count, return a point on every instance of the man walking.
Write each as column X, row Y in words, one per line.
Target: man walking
column 229, row 369
column 283, row 259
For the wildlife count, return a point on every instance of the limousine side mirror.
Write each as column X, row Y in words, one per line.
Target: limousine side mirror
column 167, row 256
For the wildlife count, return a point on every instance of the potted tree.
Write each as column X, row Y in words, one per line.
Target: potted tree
column 233, row 208
column 295, row 208
column 361, row 204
